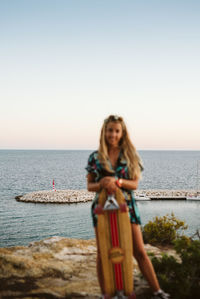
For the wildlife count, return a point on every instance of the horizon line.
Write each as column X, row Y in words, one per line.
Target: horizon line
column 89, row 149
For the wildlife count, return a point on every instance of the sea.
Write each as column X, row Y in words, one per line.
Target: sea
column 24, row 171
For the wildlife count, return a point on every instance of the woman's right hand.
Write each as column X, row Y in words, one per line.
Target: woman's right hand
column 109, row 184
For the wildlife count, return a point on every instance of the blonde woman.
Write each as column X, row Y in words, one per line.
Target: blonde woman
column 117, row 164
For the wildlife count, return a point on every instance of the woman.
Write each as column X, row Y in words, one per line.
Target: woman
column 117, row 164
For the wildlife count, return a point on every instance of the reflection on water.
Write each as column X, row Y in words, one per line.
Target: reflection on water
column 38, row 221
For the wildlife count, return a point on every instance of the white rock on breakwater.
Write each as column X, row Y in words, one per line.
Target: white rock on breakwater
column 58, row 196
column 165, row 193
column 76, row 196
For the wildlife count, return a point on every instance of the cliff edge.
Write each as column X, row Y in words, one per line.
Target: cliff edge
column 56, row 268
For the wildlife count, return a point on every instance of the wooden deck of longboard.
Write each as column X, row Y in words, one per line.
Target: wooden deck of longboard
column 115, row 245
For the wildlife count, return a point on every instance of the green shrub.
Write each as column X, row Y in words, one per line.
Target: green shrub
column 180, row 279
column 163, row 230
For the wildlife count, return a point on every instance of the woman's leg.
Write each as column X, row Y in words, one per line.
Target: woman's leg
column 99, row 265
column 142, row 258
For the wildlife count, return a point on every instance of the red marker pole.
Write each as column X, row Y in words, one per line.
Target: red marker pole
column 54, row 186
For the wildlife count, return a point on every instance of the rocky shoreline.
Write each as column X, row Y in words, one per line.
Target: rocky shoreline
column 58, row 267
column 77, row 196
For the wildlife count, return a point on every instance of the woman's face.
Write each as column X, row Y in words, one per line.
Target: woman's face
column 113, row 133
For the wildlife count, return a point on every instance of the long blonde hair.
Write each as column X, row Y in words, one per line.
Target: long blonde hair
column 128, row 150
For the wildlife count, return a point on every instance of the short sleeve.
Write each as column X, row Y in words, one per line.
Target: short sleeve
column 141, row 166
column 92, row 165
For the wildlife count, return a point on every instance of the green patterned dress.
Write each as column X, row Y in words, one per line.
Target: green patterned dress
column 121, row 171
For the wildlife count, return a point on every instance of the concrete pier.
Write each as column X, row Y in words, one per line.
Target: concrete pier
column 77, row 196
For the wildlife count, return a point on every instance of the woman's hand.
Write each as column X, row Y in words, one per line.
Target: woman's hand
column 109, row 184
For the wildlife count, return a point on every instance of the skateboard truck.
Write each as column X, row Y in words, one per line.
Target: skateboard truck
column 120, row 295
column 111, row 203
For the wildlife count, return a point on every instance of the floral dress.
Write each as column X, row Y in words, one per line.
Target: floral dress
column 121, row 171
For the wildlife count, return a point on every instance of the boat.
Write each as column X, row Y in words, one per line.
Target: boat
column 142, row 197
column 195, row 196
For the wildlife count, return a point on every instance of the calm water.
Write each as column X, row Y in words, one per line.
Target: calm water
column 25, row 171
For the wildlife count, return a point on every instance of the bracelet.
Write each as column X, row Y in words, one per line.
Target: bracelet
column 119, row 183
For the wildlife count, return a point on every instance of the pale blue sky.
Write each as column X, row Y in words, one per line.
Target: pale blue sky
column 66, row 65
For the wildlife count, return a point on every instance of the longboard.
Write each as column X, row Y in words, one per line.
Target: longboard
column 115, row 244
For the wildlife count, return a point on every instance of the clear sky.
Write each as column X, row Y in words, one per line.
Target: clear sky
column 66, row 65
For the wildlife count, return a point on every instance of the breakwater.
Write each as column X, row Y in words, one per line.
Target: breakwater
column 77, row 196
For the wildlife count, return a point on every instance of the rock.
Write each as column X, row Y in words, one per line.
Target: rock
column 53, row 268
column 56, row 268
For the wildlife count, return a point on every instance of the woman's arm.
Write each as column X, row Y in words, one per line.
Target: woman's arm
column 129, row 184
column 109, row 183
column 91, row 184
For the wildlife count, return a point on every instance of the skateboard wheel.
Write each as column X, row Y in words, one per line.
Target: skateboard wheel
column 98, row 210
column 123, row 207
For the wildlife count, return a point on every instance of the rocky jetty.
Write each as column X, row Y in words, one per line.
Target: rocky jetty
column 58, row 196
column 76, row 196
column 57, row 268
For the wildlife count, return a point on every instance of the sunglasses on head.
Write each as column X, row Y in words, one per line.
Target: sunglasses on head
column 113, row 118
